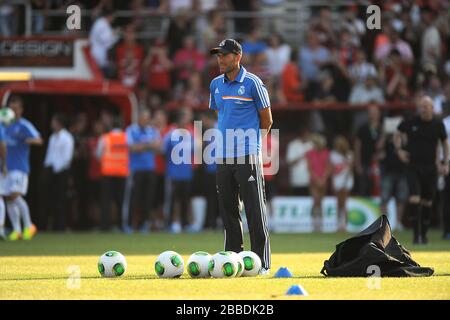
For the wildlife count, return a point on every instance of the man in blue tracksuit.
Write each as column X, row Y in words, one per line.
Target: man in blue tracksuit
column 143, row 140
column 242, row 105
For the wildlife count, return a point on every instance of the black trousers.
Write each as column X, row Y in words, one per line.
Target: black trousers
column 57, row 184
column 79, row 175
column 179, row 191
column 244, row 182
column 300, row 191
column 446, row 211
column 112, row 191
column 212, row 203
column 365, row 182
column 140, row 191
column 158, row 199
column 422, row 182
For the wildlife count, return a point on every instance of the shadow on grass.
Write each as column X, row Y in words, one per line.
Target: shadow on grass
column 154, row 277
column 75, row 244
column 125, row 278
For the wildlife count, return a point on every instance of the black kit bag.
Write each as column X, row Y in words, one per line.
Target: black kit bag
column 374, row 246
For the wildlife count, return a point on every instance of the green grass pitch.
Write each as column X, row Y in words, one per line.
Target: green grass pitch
column 47, row 267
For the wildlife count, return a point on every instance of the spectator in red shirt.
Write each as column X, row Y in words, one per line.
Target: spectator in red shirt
column 395, row 74
column 346, row 49
column 319, row 172
column 188, row 59
column 129, row 70
column 129, row 44
column 129, row 58
column 291, row 80
column 158, row 67
column 195, row 95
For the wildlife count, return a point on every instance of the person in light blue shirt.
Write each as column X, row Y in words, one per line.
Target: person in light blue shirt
column 178, row 171
column 143, row 141
column 242, row 104
column 312, row 57
column 19, row 136
column 178, row 148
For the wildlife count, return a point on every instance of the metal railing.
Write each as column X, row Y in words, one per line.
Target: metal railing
column 294, row 19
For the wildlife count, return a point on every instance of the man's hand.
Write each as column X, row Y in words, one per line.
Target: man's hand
column 403, row 156
column 443, row 169
column 4, row 169
column 156, row 145
column 446, row 170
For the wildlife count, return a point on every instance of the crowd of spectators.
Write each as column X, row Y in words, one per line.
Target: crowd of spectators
column 336, row 60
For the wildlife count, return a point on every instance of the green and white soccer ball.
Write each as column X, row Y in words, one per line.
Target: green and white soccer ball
column 7, row 116
column 252, row 263
column 112, row 264
column 239, row 261
column 169, row 264
column 198, row 264
column 223, row 265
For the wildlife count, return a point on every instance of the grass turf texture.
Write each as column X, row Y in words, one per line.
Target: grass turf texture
column 40, row 269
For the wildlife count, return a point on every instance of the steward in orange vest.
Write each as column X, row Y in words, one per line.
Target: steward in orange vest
column 112, row 150
column 114, row 156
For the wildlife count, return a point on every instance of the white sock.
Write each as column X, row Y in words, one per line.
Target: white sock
column 14, row 216
column 2, row 213
column 24, row 211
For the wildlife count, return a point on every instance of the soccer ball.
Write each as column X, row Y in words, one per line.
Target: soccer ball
column 252, row 263
column 169, row 264
column 112, row 264
column 7, row 116
column 239, row 261
column 198, row 263
column 223, row 265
